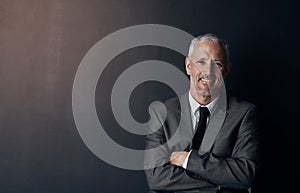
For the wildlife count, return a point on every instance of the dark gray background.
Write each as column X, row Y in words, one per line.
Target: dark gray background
column 43, row 42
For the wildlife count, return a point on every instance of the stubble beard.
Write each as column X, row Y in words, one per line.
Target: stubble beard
column 210, row 93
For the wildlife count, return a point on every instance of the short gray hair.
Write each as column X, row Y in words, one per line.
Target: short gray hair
column 209, row 37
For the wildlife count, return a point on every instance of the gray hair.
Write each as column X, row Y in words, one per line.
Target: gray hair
column 209, row 37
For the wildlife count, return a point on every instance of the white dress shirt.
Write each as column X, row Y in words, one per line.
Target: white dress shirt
column 195, row 114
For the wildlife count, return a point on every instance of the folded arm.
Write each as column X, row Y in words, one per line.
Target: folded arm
column 238, row 170
column 160, row 174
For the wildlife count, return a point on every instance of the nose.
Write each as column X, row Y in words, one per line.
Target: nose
column 210, row 68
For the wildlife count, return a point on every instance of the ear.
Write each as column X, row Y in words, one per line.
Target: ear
column 188, row 66
column 227, row 70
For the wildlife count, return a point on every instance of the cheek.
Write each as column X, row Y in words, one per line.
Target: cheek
column 194, row 74
column 219, row 73
column 223, row 71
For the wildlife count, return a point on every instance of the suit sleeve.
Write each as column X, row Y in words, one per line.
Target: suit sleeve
column 238, row 170
column 160, row 174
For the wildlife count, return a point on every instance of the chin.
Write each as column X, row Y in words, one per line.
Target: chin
column 203, row 93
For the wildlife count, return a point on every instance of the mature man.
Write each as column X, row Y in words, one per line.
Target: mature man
column 203, row 141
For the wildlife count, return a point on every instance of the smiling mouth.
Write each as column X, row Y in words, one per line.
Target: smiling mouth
column 204, row 81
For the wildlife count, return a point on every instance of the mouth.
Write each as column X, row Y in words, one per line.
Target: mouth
column 204, row 80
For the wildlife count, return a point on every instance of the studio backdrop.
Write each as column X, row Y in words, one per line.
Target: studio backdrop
column 69, row 67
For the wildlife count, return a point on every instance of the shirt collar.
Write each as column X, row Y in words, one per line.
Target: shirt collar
column 195, row 105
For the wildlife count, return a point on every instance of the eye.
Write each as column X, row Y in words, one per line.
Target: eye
column 202, row 62
column 219, row 64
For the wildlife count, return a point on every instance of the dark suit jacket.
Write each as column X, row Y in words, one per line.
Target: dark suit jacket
column 228, row 158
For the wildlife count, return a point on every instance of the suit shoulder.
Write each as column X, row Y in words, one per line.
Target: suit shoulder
column 172, row 102
column 168, row 105
column 237, row 104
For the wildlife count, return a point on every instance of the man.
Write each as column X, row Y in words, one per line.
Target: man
column 203, row 141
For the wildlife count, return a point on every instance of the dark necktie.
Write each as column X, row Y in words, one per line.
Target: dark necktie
column 198, row 137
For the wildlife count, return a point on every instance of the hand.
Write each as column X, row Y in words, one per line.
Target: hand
column 177, row 157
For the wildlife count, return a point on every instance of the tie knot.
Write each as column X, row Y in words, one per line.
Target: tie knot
column 204, row 112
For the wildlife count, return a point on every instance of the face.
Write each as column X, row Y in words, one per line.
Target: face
column 207, row 66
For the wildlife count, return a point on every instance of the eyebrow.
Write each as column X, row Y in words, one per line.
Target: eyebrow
column 218, row 60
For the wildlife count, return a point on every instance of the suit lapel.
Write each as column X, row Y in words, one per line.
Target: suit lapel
column 185, row 129
column 212, row 130
column 183, row 137
column 215, row 124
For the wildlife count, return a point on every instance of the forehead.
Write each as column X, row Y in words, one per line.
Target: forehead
column 209, row 49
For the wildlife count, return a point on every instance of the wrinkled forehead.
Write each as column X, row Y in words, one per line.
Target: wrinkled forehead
column 209, row 50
